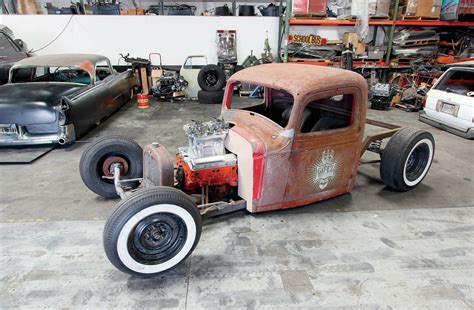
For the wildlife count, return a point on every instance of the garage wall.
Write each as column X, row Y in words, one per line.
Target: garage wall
column 174, row 37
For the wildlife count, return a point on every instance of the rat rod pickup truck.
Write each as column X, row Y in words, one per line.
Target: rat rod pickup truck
column 302, row 144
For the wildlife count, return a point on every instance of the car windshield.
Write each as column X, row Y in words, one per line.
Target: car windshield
column 457, row 81
column 50, row 74
column 7, row 48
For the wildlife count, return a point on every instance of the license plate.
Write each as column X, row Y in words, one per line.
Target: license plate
column 8, row 129
column 447, row 108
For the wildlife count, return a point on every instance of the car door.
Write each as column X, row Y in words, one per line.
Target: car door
column 451, row 100
column 94, row 103
column 118, row 87
column 189, row 71
column 324, row 157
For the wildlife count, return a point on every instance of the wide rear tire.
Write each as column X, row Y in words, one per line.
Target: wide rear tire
column 97, row 161
column 152, row 231
column 407, row 159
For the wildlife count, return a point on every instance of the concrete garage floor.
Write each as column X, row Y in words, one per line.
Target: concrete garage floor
column 370, row 249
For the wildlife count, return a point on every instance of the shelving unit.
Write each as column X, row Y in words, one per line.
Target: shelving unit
column 392, row 23
column 378, row 22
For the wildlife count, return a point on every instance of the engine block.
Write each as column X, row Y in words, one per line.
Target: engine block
column 206, row 138
column 204, row 161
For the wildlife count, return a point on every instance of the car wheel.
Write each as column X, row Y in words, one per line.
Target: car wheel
column 152, row 231
column 211, row 78
column 407, row 158
column 210, row 97
column 98, row 159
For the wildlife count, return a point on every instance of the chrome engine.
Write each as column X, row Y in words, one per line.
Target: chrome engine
column 206, row 144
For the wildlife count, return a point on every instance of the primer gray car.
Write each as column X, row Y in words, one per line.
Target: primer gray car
column 58, row 98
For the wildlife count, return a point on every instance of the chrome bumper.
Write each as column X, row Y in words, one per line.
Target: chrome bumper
column 66, row 134
column 469, row 134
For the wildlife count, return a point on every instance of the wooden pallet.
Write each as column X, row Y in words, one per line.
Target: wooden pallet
column 406, row 17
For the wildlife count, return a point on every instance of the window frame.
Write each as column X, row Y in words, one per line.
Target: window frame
column 447, row 76
column 354, row 126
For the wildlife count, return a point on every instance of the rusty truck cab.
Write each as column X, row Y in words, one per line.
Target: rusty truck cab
column 302, row 144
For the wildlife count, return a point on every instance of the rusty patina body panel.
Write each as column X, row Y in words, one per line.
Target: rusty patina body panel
column 291, row 168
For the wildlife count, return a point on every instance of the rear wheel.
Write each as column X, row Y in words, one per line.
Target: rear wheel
column 98, row 161
column 152, row 231
column 407, row 158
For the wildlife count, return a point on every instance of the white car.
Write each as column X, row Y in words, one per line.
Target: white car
column 450, row 103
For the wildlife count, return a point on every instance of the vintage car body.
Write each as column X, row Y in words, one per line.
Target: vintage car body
column 283, row 157
column 62, row 106
column 450, row 102
column 302, row 144
column 11, row 51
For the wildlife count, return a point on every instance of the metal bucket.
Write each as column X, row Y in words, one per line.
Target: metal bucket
column 142, row 101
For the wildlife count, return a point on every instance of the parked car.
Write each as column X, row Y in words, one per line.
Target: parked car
column 303, row 144
column 59, row 98
column 11, row 50
column 450, row 102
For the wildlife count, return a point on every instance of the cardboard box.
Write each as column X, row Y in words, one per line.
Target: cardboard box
column 428, row 8
column 138, row 11
column 354, row 39
column 423, row 8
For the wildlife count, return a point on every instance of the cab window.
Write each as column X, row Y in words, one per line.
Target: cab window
column 329, row 113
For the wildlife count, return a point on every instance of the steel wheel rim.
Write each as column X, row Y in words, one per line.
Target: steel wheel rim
column 105, row 163
column 157, row 238
column 211, row 79
column 417, row 161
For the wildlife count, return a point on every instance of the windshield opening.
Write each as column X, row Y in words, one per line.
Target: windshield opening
column 65, row 74
column 274, row 104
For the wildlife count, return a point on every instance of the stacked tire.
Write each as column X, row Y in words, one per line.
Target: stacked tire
column 212, row 80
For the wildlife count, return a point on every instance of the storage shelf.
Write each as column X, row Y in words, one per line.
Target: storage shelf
column 433, row 23
column 335, row 22
column 378, row 22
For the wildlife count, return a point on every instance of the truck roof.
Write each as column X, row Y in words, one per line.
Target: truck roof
column 299, row 79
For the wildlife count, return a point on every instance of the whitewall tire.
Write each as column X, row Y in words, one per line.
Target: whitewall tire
column 407, row 159
column 152, row 231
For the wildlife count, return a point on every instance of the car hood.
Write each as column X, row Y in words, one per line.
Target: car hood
column 32, row 103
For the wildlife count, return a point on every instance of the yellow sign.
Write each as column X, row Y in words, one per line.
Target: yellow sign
column 309, row 39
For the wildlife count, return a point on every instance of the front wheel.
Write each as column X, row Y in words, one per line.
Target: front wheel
column 152, row 231
column 407, row 158
column 97, row 162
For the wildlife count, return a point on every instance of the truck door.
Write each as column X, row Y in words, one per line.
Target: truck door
column 324, row 157
column 189, row 71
